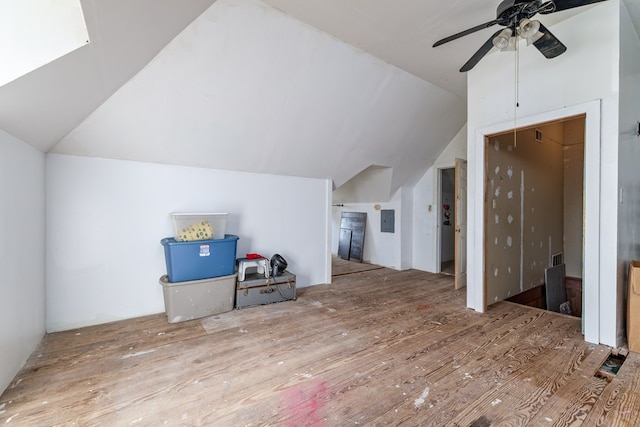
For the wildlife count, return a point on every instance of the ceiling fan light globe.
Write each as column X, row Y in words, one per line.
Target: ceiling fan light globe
column 513, row 41
column 528, row 28
column 501, row 41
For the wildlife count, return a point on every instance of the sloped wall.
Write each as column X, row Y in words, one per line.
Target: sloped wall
column 22, row 254
column 248, row 88
column 370, row 185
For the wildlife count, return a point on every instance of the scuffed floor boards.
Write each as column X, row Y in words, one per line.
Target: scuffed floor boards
column 380, row 347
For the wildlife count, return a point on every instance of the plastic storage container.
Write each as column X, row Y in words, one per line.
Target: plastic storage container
column 184, row 221
column 198, row 260
column 198, row 298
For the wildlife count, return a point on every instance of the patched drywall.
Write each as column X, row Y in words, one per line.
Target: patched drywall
column 523, row 210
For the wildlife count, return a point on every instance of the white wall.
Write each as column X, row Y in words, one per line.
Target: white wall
column 22, row 254
column 406, row 228
column 629, row 156
column 588, row 71
column 105, row 219
column 426, row 243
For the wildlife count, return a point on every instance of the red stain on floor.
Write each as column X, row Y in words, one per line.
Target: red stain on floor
column 424, row 306
column 304, row 404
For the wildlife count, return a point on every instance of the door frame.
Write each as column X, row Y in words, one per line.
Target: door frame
column 592, row 178
column 460, row 234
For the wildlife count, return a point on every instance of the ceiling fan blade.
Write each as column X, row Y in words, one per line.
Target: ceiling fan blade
column 548, row 44
column 466, row 32
column 570, row 4
column 484, row 49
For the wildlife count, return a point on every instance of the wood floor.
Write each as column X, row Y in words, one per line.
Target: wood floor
column 340, row 267
column 377, row 347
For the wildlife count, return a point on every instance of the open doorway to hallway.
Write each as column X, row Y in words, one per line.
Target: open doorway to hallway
column 446, row 220
column 534, row 212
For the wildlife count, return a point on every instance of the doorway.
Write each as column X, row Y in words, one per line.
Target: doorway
column 451, row 217
column 447, row 215
column 597, row 327
column 534, row 210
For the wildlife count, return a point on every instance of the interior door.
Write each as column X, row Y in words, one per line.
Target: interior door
column 461, row 224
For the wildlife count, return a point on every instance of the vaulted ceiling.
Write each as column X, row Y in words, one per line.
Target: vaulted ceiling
column 44, row 106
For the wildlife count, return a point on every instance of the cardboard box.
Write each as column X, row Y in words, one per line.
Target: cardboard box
column 633, row 307
column 198, row 298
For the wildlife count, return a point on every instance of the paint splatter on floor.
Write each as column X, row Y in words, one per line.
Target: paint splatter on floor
column 420, row 401
column 304, row 404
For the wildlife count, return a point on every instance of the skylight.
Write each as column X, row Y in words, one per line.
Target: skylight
column 36, row 32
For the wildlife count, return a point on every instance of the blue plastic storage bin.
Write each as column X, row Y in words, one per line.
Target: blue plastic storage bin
column 202, row 259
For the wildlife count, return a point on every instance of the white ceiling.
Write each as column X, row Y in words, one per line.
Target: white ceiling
column 402, row 33
column 45, row 105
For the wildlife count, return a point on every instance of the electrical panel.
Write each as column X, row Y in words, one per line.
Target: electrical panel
column 387, row 220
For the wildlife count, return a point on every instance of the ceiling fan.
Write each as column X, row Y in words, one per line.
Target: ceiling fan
column 516, row 16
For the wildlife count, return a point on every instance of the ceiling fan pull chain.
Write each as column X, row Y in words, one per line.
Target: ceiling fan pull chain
column 517, row 73
column 517, row 94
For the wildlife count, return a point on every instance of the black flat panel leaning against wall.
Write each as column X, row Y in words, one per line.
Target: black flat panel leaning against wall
column 352, row 227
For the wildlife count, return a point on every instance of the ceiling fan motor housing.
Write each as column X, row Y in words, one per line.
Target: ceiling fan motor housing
column 511, row 12
column 516, row 16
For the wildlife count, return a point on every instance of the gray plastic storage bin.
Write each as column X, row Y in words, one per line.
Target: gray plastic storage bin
column 198, row 298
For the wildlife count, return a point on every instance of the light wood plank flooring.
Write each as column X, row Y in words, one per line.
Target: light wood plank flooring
column 340, row 267
column 377, row 347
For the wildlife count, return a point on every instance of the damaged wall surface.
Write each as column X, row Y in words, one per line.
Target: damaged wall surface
column 524, row 209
